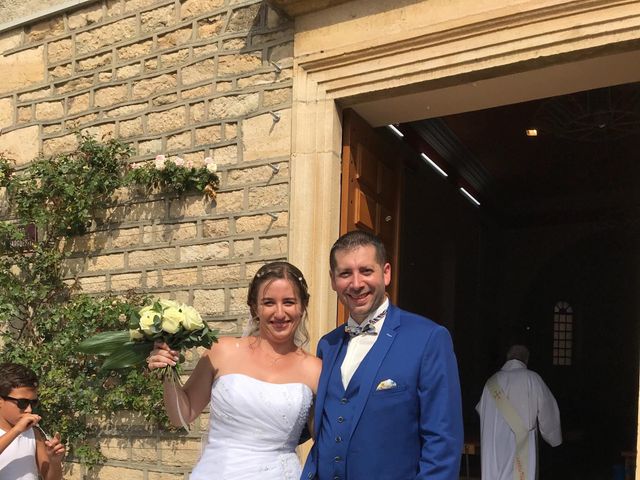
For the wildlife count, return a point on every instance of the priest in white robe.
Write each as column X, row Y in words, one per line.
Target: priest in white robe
column 515, row 403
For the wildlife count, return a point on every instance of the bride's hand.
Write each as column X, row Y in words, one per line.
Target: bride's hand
column 162, row 356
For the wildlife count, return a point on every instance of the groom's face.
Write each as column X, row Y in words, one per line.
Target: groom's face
column 360, row 281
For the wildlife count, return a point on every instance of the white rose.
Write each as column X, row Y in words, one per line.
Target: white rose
column 168, row 303
column 160, row 162
column 192, row 319
column 135, row 335
column 212, row 167
column 147, row 318
column 172, row 319
column 179, row 161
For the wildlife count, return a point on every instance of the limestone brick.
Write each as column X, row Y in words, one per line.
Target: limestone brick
column 152, row 280
column 132, row 5
column 215, row 228
column 77, row 104
column 60, row 50
column 167, row 120
column 94, row 62
column 164, row 476
column 229, row 201
column 261, row 223
column 229, row 65
column 209, row 302
column 211, row 27
column 234, row 44
column 105, row 130
column 145, row 211
column 159, row 256
column 273, row 246
column 149, row 86
column 125, row 237
column 282, row 53
column 193, row 8
column 10, row 39
column 197, row 92
column 72, row 267
column 6, row 112
column 179, row 451
column 252, row 268
column 108, row 472
column 175, row 38
column 20, row 145
column 225, row 155
column 274, row 19
column 45, row 29
column 126, row 110
column 179, row 141
column 97, row 38
column 77, row 122
column 202, row 253
column 136, row 50
column 115, row 8
column 52, row 129
column 34, row 94
column 21, row 69
column 208, row 135
column 72, row 471
column 126, row 281
column 205, row 50
column 82, row 243
column 256, row 175
column 269, row 196
column 128, row 71
column 223, row 86
column 175, row 58
column 197, row 112
column 151, row 64
column 130, row 128
column 105, row 262
column 25, row 114
column 164, row 100
column 243, row 18
column 144, row 450
column 260, row 79
column 180, row 277
column 233, row 106
column 158, row 18
column 61, row 71
column 264, row 138
column 198, row 72
column 238, row 300
column 107, row 96
column 280, row 96
column 85, row 16
column 219, row 274
column 114, row 448
column 230, row 131
column 74, row 85
column 244, row 248
column 93, row 284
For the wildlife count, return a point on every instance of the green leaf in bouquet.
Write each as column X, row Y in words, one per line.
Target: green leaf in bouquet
column 104, row 343
column 128, row 355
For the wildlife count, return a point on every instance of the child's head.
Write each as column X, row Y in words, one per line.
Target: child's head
column 18, row 392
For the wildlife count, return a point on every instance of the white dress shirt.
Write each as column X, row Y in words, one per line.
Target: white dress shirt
column 360, row 345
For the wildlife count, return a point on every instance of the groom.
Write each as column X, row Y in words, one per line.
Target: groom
column 388, row 403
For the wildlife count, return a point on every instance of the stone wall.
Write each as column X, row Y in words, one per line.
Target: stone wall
column 193, row 78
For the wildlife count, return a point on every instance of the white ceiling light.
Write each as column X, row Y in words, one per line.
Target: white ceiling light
column 433, row 165
column 470, row 197
column 395, row 130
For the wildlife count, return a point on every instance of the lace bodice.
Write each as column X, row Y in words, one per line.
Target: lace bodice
column 253, row 430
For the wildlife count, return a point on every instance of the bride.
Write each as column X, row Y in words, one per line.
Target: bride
column 260, row 387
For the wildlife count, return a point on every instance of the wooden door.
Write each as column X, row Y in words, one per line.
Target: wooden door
column 372, row 169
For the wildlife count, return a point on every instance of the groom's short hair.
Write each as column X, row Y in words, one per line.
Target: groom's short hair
column 355, row 239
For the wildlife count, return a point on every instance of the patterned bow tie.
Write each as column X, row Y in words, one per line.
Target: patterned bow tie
column 366, row 329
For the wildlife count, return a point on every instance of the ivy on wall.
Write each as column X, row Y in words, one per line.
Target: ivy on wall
column 42, row 317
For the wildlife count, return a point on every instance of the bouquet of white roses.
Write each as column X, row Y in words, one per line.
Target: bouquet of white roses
column 179, row 326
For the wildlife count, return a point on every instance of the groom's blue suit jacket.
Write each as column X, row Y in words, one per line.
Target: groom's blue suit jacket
column 412, row 430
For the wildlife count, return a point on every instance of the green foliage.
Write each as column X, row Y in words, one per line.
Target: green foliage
column 42, row 318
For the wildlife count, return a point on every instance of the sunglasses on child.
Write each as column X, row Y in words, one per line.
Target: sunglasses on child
column 22, row 403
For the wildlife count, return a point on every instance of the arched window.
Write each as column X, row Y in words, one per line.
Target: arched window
column 562, row 333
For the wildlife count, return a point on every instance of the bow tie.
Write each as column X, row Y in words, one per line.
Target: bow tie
column 366, row 329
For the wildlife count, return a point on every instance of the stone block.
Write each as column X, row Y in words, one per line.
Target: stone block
column 52, row 129
column 108, row 472
column 175, row 38
column 126, row 110
column 251, row 269
column 205, row 51
column 261, row 223
column 262, row 174
column 167, row 120
column 85, row 16
column 35, row 94
column 209, row 302
column 10, row 39
column 72, row 471
column 230, row 131
column 145, row 211
column 164, row 100
column 97, row 61
column 145, row 258
column 238, row 64
column 93, row 284
column 158, row 18
column 191, row 207
column 130, row 128
column 125, row 237
column 219, row 274
column 229, row 201
column 180, row 141
column 105, row 262
column 273, row 246
column 197, row 112
column 193, row 8
column 271, row 98
column 179, row 451
column 208, row 135
column 225, row 155
column 176, row 58
column 234, row 44
column 152, row 279
column 264, row 138
column 171, row 232
column 164, row 476
column 60, row 51
column 147, row 87
column 61, row 71
column 133, row 5
column 126, row 281
column 244, row 248
column 128, row 71
column 243, row 19
column 144, row 450
column 107, row 96
column 197, row 92
column 25, row 115
column 74, row 85
column 198, row 72
column 77, row 104
column 77, row 122
column 238, row 300
column 269, row 196
column 97, row 38
column 215, row 228
column 202, row 253
column 233, row 106
column 6, row 112
column 259, row 79
column 21, row 69
column 46, row 29
column 211, row 27
column 282, row 53
column 180, row 277
column 136, row 50
column 20, row 145
column 104, row 77
column 150, row 147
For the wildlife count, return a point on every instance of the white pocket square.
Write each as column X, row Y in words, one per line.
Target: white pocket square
column 386, row 384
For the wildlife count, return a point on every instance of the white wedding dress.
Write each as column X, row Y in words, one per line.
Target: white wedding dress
column 254, row 429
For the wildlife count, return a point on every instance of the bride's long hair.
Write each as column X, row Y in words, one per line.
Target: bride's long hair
column 278, row 271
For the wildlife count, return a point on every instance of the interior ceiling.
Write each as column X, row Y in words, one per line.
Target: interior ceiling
column 584, row 162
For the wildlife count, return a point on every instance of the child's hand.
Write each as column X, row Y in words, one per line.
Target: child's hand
column 27, row 420
column 55, row 449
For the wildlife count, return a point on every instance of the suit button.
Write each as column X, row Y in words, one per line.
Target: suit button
column 343, row 400
column 340, row 419
column 337, row 459
column 336, row 477
column 338, row 439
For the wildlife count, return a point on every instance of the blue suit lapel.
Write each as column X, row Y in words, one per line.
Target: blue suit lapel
column 374, row 359
column 329, row 356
